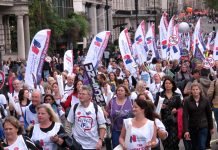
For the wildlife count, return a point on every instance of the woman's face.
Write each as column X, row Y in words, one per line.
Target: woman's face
column 112, row 77
column 168, row 85
column 49, row 100
column 55, row 74
column 79, row 85
column 10, row 130
column 55, row 88
column 126, row 82
column 184, row 69
column 121, row 92
column 48, row 91
column 137, row 109
column 43, row 115
column 26, row 94
column 196, row 91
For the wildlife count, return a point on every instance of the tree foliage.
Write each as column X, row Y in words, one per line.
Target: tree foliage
column 43, row 16
column 212, row 4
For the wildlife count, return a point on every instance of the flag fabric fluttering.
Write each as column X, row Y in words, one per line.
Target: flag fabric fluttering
column 68, row 61
column 36, row 57
column 139, row 52
column 198, row 43
column 215, row 49
column 150, row 44
column 97, row 47
column 125, row 50
column 163, row 36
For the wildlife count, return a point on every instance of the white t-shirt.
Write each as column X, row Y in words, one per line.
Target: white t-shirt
column 45, row 138
column 19, row 144
column 139, row 137
column 85, row 127
column 30, row 117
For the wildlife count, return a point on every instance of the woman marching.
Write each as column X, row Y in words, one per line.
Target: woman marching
column 13, row 138
column 171, row 103
column 139, row 131
column 197, row 118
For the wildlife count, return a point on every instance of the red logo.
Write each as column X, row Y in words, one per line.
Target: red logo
column 78, row 113
column 36, row 46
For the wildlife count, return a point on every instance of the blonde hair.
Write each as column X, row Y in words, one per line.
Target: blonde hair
column 195, row 83
column 50, row 111
column 140, row 84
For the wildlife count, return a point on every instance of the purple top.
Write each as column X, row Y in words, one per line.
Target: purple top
column 119, row 112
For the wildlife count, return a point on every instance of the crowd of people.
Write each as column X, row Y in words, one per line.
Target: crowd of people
column 184, row 92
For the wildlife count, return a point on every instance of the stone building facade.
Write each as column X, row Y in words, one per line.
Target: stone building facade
column 19, row 8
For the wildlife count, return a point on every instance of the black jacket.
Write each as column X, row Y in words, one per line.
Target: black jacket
column 197, row 116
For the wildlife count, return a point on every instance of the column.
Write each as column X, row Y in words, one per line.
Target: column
column 7, row 35
column 20, row 37
column 110, row 19
column 26, row 35
column 2, row 40
column 101, row 19
column 93, row 19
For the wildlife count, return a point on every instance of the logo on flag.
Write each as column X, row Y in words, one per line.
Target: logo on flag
column 98, row 41
column 216, row 50
column 127, row 59
column 164, row 44
column 149, row 40
column 139, row 39
column 36, row 46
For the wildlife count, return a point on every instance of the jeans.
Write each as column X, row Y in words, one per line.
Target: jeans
column 215, row 111
column 115, row 138
column 198, row 138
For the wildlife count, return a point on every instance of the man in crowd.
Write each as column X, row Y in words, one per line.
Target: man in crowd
column 88, row 121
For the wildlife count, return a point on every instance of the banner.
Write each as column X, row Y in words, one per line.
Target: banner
column 198, row 42
column 211, row 40
column 97, row 47
column 139, row 44
column 170, row 37
column 36, row 57
column 150, row 42
column 92, row 76
column 174, row 48
column 2, row 79
column 163, row 36
column 68, row 61
column 215, row 49
column 125, row 50
column 60, row 85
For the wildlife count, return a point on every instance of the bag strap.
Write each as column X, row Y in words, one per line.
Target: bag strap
column 95, row 107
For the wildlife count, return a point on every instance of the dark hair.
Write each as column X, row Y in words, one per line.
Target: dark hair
column 171, row 80
column 13, row 121
column 196, row 71
column 75, row 90
column 205, row 72
column 147, row 110
column 49, row 95
column 21, row 94
column 115, row 76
